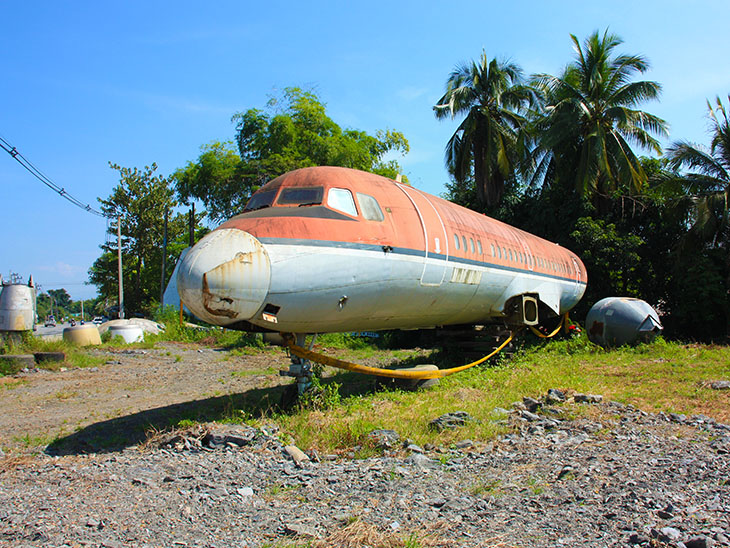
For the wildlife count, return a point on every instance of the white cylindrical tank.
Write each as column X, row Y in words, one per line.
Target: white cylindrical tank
column 615, row 321
column 17, row 307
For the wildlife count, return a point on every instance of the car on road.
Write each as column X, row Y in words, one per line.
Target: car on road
column 98, row 320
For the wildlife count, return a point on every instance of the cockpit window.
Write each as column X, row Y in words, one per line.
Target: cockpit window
column 301, row 196
column 341, row 199
column 260, row 200
column 369, row 207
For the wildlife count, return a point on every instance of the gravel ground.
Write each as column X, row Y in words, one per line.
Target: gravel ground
column 615, row 476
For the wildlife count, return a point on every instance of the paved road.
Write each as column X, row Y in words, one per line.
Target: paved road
column 42, row 331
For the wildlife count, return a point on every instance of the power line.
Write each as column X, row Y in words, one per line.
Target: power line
column 23, row 161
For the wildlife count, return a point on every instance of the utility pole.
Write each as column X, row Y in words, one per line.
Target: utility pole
column 164, row 257
column 191, row 219
column 119, row 256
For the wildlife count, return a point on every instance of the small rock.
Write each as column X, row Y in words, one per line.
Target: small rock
column 531, row 404
column 667, row 534
column 529, row 416
column 394, row 525
column 464, row 444
column 588, row 398
column 636, row 538
column 413, row 448
column 236, row 436
column 451, row 420
column 720, row 385
column 245, row 491
column 296, row 454
column 385, row 439
column 299, row 530
column 700, row 541
column 567, row 470
column 554, row 396
column 519, row 406
column 420, row 460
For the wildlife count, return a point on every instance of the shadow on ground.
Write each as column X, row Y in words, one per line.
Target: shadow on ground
column 122, row 432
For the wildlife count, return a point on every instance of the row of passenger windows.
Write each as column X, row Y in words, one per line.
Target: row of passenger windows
column 509, row 254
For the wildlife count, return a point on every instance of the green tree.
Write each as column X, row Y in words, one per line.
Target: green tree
column 485, row 147
column 293, row 132
column 217, row 178
column 140, row 199
column 708, row 178
column 589, row 121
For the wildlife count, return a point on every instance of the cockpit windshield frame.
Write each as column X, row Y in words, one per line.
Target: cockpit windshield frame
column 261, row 200
column 301, row 196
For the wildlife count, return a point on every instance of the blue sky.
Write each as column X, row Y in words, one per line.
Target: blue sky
column 85, row 83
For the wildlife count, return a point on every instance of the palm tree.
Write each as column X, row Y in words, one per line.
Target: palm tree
column 588, row 121
column 491, row 96
column 708, row 182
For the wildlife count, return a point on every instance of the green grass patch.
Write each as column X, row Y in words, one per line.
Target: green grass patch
column 662, row 376
column 75, row 356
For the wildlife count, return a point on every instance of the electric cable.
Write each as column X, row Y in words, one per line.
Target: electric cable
column 38, row 174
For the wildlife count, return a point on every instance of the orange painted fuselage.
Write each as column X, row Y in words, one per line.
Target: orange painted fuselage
column 335, row 249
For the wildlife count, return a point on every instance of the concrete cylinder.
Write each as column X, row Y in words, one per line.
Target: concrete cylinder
column 82, row 335
column 129, row 332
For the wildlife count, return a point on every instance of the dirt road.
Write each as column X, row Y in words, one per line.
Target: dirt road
column 114, row 404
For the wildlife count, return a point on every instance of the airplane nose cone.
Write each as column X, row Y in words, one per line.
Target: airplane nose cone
column 225, row 277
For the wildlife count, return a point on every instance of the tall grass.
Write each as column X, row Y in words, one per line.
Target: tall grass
column 188, row 333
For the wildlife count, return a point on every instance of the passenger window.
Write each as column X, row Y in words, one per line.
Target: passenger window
column 463, row 239
column 493, row 254
column 471, row 244
column 369, row 207
column 341, row 199
column 479, row 245
column 456, row 241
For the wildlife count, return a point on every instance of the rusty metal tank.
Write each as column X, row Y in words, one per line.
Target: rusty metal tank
column 616, row 321
column 17, row 305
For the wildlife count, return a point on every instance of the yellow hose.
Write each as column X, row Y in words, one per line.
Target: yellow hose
column 392, row 373
column 563, row 321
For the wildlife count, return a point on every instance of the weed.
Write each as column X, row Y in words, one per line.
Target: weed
column 321, row 396
column 15, row 383
column 279, row 490
column 487, row 488
column 534, row 485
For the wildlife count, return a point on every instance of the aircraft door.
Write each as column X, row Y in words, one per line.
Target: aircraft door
column 434, row 235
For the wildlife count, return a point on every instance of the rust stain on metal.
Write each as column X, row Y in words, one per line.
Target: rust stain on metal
column 225, row 275
column 209, row 300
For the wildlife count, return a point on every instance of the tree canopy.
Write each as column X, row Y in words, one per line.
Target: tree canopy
column 484, row 148
column 140, row 200
column 294, row 131
column 564, row 150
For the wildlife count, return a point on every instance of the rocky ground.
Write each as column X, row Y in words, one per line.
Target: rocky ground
column 610, row 475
